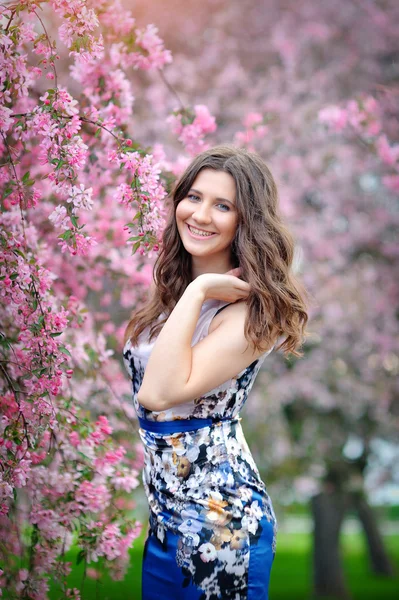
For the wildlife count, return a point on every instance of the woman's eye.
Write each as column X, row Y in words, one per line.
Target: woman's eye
column 193, row 197
column 224, row 206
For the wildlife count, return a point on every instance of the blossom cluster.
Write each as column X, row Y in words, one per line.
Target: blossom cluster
column 256, row 128
column 191, row 126
column 145, row 193
column 69, row 466
column 363, row 117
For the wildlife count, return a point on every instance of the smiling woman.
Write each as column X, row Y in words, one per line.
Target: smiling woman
column 224, row 292
column 207, row 221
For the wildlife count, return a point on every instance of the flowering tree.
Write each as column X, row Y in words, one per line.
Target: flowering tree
column 80, row 193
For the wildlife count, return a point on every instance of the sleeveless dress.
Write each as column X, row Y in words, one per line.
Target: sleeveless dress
column 212, row 527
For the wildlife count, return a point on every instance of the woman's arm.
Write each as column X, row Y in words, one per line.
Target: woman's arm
column 177, row 372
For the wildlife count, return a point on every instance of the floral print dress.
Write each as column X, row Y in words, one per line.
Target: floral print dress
column 212, row 525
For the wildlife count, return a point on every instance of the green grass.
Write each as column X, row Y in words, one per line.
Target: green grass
column 291, row 572
column 291, row 577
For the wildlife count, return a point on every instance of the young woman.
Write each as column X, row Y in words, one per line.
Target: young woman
column 223, row 294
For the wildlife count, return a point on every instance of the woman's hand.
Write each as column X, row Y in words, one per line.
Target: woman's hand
column 227, row 287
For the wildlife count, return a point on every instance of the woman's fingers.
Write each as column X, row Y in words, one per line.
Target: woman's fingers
column 244, row 290
column 243, row 285
column 236, row 272
column 227, row 286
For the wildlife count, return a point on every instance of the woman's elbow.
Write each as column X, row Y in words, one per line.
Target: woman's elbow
column 151, row 401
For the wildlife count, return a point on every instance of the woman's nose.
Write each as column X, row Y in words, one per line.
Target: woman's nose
column 202, row 214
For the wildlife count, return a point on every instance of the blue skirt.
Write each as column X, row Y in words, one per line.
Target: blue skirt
column 212, row 529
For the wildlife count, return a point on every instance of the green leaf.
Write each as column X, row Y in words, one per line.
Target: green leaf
column 136, row 246
column 66, row 235
column 7, row 192
column 56, row 334
column 64, row 350
column 4, row 341
column 26, row 177
column 19, row 252
column 74, row 221
column 80, row 557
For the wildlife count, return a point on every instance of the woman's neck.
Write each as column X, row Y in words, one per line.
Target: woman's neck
column 200, row 265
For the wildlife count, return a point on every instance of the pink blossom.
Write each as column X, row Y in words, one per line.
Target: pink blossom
column 125, row 482
column 59, row 217
column 154, row 56
column 139, row 457
column 115, row 456
column 73, row 594
column 5, row 119
column 124, row 194
column 252, row 119
column 84, row 22
column 109, row 542
column 391, row 182
column 83, row 244
column 74, row 439
column 388, row 154
column 81, row 197
column 191, row 135
column 76, row 152
column 93, row 497
column 203, row 119
column 103, row 425
column 93, row 573
column 334, row 116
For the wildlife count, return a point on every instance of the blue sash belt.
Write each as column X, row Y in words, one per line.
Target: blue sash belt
column 181, row 425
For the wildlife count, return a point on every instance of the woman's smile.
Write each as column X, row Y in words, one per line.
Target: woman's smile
column 201, row 234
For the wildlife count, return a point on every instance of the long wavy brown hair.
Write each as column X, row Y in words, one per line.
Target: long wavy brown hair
column 263, row 247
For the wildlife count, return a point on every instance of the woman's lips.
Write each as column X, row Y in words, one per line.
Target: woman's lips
column 199, row 237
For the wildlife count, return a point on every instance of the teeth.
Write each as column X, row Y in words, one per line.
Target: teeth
column 199, row 232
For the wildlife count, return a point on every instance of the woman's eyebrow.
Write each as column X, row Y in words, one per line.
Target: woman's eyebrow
column 219, row 199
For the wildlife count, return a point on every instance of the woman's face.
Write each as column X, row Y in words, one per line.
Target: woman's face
column 207, row 217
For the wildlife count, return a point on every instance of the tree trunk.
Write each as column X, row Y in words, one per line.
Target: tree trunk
column 379, row 559
column 328, row 513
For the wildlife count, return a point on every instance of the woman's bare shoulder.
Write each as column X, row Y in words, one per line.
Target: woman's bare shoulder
column 231, row 311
